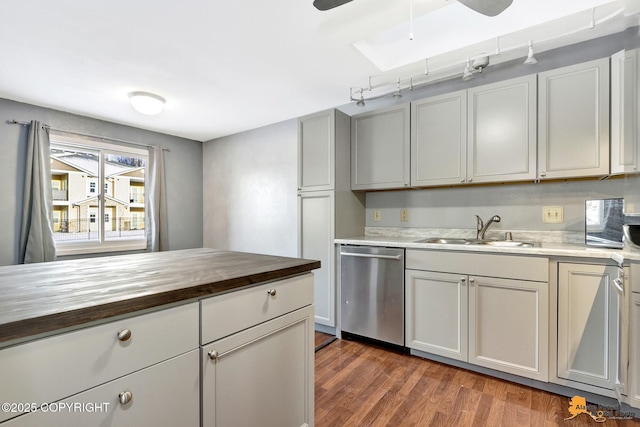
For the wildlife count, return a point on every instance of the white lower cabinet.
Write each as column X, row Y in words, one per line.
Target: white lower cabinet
column 436, row 313
column 262, row 376
column 634, row 366
column 588, row 324
column 508, row 326
column 166, row 394
column 500, row 323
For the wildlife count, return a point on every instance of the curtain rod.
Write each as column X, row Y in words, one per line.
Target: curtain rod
column 104, row 138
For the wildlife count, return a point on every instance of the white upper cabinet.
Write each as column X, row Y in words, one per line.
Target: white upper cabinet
column 502, row 131
column 485, row 134
column 573, row 120
column 380, row 149
column 439, row 140
column 625, row 114
column 316, row 151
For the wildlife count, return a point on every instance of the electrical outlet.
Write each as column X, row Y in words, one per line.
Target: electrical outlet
column 376, row 216
column 552, row 214
column 404, row 215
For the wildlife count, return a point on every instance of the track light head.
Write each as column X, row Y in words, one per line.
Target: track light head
column 397, row 93
column 531, row 59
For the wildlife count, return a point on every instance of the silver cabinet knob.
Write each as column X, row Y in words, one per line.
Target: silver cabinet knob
column 463, row 279
column 472, row 280
column 125, row 397
column 462, row 180
column 542, row 174
column 124, row 335
column 470, row 179
column 272, row 292
column 213, row 355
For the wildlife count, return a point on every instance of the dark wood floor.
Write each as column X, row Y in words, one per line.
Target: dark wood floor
column 362, row 385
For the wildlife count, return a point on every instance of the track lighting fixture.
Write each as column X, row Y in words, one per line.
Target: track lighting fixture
column 476, row 66
column 467, row 75
column 360, row 102
column 397, row 93
column 530, row 58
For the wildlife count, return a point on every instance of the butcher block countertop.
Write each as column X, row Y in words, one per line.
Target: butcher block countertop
column 47, row 297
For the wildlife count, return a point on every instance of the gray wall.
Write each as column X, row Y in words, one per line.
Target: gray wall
column 519, row 205
column 250, row 191
column 183, row 172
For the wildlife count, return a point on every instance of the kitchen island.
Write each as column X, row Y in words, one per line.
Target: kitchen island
column 130, row 339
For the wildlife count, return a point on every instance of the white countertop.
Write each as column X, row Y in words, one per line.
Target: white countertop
column 551, row 249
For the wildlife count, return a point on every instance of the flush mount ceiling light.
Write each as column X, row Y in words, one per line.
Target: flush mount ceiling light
column 146, row 103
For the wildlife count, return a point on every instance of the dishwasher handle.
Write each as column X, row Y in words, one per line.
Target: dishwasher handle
column 396, row 257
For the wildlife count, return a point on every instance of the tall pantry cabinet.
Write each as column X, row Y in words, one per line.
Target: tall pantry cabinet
column 327, row 208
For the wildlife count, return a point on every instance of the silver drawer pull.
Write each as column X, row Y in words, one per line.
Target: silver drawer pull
column 124, row 335
column 272, row 292
column 125, row 397
column 213, row 355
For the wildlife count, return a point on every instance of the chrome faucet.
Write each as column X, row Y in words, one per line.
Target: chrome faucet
column 482, row 228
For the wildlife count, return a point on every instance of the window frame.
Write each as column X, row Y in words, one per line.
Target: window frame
column 102, row 244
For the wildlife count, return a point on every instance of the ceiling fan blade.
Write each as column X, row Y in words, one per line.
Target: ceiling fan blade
column 328, row 4
column 487, row 7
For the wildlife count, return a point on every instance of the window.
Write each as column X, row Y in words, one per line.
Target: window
column 86, row 163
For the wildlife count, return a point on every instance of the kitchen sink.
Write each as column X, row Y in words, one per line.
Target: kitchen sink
column 461, row 241
column 445, row 241
column 505, row 243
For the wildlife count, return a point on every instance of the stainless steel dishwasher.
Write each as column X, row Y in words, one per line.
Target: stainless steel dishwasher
column 372, row 292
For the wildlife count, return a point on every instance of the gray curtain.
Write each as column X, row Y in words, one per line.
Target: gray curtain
column 157, row 232
column 36, row 233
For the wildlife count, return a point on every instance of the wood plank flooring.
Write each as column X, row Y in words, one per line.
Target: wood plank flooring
column 359, row 384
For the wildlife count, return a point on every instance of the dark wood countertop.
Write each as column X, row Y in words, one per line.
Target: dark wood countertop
column 45, row 297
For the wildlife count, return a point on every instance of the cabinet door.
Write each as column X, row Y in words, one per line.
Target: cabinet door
column 436, row 313
column 316, row 155
column 508, row 326
column 625, row 113
column 573, row 120
column 587, row 324
column 166, row 394
column 262, row 376
column 380, row 149
column 439, row 140
column 502, row 131
column 316, row 242
column 634, row 359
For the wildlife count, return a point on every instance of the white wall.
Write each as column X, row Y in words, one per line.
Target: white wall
column 250, row 191
column 183, row 168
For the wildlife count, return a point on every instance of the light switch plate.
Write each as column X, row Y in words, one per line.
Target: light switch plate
column 404, row 215
column 552, row 214
column 376, row 216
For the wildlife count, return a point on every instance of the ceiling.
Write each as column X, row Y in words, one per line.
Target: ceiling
column 228, row 66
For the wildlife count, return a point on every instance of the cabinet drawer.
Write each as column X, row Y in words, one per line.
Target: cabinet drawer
column 166, row 394
column 50, row 369
column 507, row 266
column 226, row 314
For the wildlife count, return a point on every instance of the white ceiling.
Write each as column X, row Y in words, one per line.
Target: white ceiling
column 226, row 66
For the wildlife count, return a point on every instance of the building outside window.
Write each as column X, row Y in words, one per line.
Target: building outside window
column 78, row 164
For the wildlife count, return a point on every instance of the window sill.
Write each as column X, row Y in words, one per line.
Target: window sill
column 65, row 249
